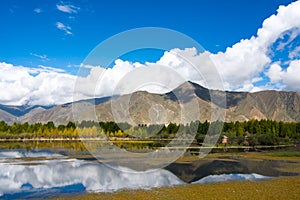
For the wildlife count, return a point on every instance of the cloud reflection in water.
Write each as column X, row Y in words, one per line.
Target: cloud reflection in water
column 16, row 177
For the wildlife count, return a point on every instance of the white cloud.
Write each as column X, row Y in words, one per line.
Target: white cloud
column 43, row 85
column 125, row 77
column 67, row 8
column 43, row 68
column 65, row 28
column 292, row 33
column 102, row 82
column 192, row 66
column 295, row 53
column 274, row 73
column 37, row 10
column 248, row 58
column 250, row 87
column 46, row 85
column 289, row 76
column 43, row 57
column 287, row 18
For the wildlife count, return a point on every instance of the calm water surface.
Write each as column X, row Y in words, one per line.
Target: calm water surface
column 47, row 169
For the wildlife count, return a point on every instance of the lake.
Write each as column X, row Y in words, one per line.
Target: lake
column 52, row 169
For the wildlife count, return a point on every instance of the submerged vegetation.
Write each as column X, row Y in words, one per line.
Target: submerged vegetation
column 253, row 132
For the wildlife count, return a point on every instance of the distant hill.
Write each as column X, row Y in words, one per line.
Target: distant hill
column 12, row 114
column 7, row 117
column 19, row 111
column 239, row 106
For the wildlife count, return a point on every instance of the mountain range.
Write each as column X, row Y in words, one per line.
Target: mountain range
column 142, row 107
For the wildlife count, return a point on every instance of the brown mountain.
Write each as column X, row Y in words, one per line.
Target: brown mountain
column 185, row 103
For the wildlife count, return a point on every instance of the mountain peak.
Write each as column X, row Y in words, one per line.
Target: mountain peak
column 188, row 85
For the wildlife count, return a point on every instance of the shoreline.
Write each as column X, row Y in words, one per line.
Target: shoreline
column 133, row 140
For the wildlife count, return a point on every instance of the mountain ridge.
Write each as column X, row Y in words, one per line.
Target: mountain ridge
column 239, row 106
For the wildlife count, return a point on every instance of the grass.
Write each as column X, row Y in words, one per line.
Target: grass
column 275, row 188
column 285, row 154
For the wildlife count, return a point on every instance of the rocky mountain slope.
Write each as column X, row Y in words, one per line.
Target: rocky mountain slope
column 185, row 103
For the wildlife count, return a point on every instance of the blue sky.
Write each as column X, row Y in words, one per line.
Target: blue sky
column 214, row 24
column 254, row 45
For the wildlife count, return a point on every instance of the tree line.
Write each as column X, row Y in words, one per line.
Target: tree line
column 253, row 132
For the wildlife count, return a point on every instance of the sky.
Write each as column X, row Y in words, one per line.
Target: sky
column 43, row 44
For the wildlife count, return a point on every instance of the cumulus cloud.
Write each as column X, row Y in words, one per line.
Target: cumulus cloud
column 67, row 8
column 101, row 82
column 289, row 76
column 193, row 66
column 248, row 58
column 274, row 73
column 65, row 28
column 21, row 85
column 283, row 74
column 45, row 85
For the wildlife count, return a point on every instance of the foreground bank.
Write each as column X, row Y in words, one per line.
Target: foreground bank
column 274, row 188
